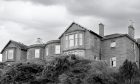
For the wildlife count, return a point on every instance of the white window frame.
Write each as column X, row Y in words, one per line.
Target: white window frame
column 66, row 41
column 113, row 44
column 71, row 40
column 47, row 51
column 113, row 62
column 80, row 39
column 37, row 53
column 76, row 37
column 10, row 54
column 57, row 49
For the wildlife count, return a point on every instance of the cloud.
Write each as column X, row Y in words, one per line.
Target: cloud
column 29, row 19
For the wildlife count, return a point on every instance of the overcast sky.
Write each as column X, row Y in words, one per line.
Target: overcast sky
column 26, row 20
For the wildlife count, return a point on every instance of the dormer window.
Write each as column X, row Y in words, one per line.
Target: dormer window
column 37, row 53
column 9, row 54
column 113, row 44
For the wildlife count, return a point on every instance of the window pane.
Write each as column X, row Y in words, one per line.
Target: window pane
column 28, row 54
column 71, row 40
column 76, row 39
column 57, row 49
column 11, row 54
column 113, row 61
column 47, row 52
column 113, row 44
column 66, row 40
column 80, row 39
column 6, row 55
column 37, row 53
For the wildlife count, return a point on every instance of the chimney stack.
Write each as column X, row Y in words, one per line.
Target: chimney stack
column 101, row 29
column 131, row 31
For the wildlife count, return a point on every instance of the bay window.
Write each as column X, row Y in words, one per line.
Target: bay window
column 73, row 40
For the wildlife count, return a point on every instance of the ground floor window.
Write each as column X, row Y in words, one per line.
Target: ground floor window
column 37, row 53
column 113, row 62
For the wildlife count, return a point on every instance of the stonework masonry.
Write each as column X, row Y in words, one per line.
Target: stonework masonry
column 114, row 48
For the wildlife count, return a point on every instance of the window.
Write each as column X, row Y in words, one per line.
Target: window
column 6, row 54
column 95, row 58
column 10, row 54
column 76, row 39
column 37, row 53
column 113, row 44
column 80, row 39
column 28, row 54
column 57, row 49
column 113, row 61
column 47, row 51
column 73, row 40
column 66, row 43
column 76, row 52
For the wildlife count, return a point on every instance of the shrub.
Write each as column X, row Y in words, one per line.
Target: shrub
column 21, row 73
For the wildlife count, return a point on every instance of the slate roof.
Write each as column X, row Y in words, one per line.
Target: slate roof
column 111, row 36
column 82, row 28
column 37, row 45
column 20, row 45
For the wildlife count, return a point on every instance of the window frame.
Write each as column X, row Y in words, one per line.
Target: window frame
column 74, row 40
column 113, row 44
column 8, row 52
column 57, row 49
column 38, row 53
column 47, row 51
column 113, row 62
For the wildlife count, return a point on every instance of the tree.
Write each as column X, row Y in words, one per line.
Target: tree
column 128, row 71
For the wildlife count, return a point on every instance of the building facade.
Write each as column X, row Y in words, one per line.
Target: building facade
column 114, row 48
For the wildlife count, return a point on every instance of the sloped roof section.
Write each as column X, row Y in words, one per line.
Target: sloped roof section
column 37, row 45
column 112, row 36
column 20, row 45
column 82, row 28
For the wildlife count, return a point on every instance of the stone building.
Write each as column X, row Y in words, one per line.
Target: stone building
column 114, row 48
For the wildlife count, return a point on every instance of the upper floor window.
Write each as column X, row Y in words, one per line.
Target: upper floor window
column 73, row 40
column 37, row 53
column 113, row 61
column 80, row 39
column 10, row 54
column 57, row 49
column 113, row 44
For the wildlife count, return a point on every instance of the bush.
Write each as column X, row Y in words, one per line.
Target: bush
column 21, row 73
